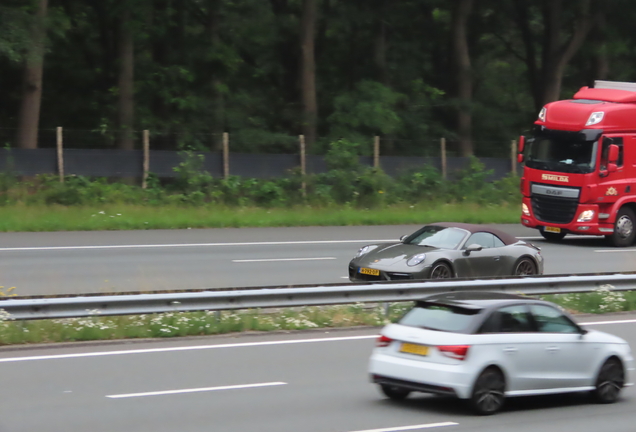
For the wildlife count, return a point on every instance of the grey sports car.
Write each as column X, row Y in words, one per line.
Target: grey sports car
column 446, row 250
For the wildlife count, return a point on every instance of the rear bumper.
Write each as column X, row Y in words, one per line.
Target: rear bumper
column 421, row 376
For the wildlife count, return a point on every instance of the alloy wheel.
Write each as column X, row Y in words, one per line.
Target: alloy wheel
column 610, row 381
column 441, row 271
column 525, row 267
column 488, row 394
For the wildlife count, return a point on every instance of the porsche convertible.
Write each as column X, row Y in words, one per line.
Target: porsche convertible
column 447, row 250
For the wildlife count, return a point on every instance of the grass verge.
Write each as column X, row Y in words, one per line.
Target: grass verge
column 168, row 325
column 132, row 217
column 192, row 323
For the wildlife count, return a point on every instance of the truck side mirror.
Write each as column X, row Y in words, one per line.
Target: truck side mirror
column 520, row 158
column 612, row 157
column 611, row 167
column 522, row 143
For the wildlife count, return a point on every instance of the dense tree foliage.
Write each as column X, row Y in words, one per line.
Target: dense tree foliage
column 412, row 71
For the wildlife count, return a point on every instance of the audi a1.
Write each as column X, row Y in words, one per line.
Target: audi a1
column 485, row 347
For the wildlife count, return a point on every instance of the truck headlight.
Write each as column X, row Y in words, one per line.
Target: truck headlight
column 525, row 210
column 586, row 216
column 595, row 118
column 417, row 259
column 542, row 114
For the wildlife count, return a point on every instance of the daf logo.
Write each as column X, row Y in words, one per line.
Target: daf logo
column 553, row 192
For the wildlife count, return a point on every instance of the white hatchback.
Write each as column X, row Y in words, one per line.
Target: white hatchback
column 485, row 346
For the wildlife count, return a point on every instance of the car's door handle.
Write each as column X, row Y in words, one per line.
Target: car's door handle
column 497, row 258
column 553, row 349
column 510, row 350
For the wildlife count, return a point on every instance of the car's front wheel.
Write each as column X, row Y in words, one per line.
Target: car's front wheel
column 393, row 392
column 441, row 271
column 489, row 392
column 609, row 382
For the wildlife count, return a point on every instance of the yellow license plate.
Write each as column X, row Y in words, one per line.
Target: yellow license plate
column 552, row 229
column 414, row 349
column 368, row 271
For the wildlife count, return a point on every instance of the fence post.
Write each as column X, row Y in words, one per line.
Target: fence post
column 303, row 166
column 60, row 155
column 443, row 156
column 513, row 156
column 376, row 152
column 226, row 155
column 146, row 164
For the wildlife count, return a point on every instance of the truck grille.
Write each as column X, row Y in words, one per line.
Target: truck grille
column 554, row 209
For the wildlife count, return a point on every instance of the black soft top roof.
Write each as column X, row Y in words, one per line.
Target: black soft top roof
column 473, row 228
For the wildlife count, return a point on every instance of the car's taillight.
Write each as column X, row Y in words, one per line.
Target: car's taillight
column 383, row 341
column 458, row 352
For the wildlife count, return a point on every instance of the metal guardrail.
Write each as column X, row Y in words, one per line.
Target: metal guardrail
column 269, row 297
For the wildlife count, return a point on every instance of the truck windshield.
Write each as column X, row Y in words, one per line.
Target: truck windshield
column 565, row 152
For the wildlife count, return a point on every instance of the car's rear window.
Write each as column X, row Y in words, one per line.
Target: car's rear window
column 440, row 317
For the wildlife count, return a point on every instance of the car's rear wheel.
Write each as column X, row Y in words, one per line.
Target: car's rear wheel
column 441, row 271
column 554, row 237
column 489, row 392
column 624, row 228
column 525, row 267
column 609, row 382
column 393, row 392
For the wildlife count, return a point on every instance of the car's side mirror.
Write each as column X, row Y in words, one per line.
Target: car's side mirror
column 583, row 331
column 472, row 248
column 402, row 238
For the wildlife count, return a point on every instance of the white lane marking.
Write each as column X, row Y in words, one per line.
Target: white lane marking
column 185, row 348
column 283, row 259
column 40, row 248
column 195, row 390
column 234, row 345
column 569, row 237
column 614, row 250
column 149, row 246
column 413, row 427
column 609, row 322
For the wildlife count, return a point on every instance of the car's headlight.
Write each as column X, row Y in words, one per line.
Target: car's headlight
column 365, row 250
column 586, row 216
column 417, row 259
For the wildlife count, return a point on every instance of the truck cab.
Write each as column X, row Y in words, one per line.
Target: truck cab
column 579, row 174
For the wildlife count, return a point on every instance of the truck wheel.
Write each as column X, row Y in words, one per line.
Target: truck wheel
column 624, row 228
column 550, row 236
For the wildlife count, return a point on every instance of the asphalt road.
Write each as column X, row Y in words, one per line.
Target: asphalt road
column 309, row 382
column 116, row 261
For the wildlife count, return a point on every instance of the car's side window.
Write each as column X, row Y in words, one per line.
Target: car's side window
column 485, row 240
column 498, row 242
column 551, row 320
column 509, row 319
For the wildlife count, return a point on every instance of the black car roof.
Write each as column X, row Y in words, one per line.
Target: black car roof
column 474, row 299
column 473, row 228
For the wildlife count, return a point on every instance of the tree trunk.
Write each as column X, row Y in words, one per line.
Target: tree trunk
column 545, row 81
column 29, row 116
column 218, row 102
column 126, row 102
column 463, row 75
column 308, row 71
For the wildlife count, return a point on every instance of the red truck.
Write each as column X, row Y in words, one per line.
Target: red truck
column 579, row 174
